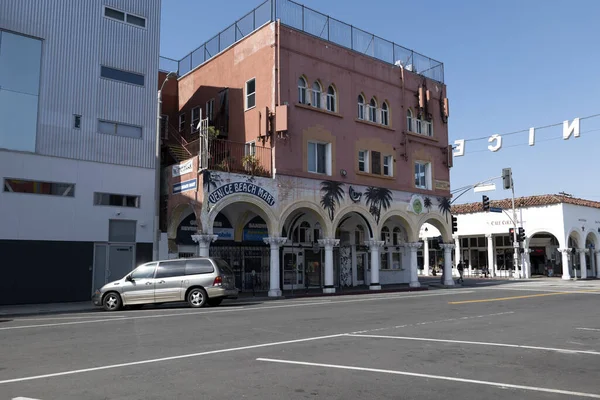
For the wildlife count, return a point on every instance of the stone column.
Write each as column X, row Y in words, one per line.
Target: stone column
column 457, row 255
column 491, row 254
column 582, row 262
column 566, row 257
column 374, row 246
column 448, row 281
column 526, row 263
column 275, row 243
column 329, row 243
column 597, row 252
column 425, row 257
column 414, row 267
column 204, row 242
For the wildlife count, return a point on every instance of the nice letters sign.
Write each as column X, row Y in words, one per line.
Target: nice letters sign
column 241, row 187
column 496, row 140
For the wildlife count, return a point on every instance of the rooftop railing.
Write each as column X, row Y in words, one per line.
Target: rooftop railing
column 312, row 22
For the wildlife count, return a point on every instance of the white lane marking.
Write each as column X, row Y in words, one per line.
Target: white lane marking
column 588, row 329
column 434, row 322
column 438, row 377
column 568, row 351
column 23, row 398
column 234, row 309
column 156, row 360
column 62, row 318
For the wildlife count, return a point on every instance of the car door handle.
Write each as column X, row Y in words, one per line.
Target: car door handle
column 148, row 283
column 161, row 282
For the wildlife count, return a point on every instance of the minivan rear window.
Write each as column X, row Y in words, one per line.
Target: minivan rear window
column 194, row 267
column 223, row 266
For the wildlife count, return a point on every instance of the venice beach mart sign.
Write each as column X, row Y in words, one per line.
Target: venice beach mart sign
column 496, row 140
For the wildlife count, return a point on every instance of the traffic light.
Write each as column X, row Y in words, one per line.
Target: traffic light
column 511, row 233
column 507, row 178
column 521, row 235
column 454, row 224
column 486, row 203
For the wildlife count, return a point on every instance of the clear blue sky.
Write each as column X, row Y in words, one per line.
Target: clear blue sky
column 509, row 66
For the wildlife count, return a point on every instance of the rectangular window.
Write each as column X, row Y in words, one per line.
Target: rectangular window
column 39, row 187
column 429, row 131
column 115, row 128
column 121, row 76
column 422, row 173
column 387, row 165
column 363, row 161
column 210, row 106
column 117, row 200
column 20, row 62
column 181, row 122
column 317, row 157
column 195, row 118
column 250, row 149
column 77, row 121
column 251, row 93
column 376, row 162
column 121, row 231
column 122, row 16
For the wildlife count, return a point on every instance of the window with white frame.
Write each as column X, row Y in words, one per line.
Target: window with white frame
column 302, row 89
column 250, row 101
column 385, row 114
column 387, row 165
column 359, row 235
column 363, row 161
column 409, row 120
column 361, row 107
column 195, row 118
column 319, row 157
column 250, row 149
column 316, row 94
column 385, row 235
column 419, row 125
column 423, row 175
column 210, row 107
column 373, row 110
column 181, row 122
column 428, row 128
column 331, row 98
column 397, row 236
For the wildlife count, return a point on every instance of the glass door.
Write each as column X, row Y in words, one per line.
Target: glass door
column 293, row 271
column 361, row 268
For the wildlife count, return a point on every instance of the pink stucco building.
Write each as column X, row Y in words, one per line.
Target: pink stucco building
column 332, row 151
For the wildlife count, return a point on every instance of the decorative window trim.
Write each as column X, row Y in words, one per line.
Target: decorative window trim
column 428, row 174
column 316, row 95
column 365, row 161
column 331, row 99
column 328, row 158
column 303, row 90
column 361, row 107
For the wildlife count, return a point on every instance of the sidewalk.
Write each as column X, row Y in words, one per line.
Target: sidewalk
column 22, row 310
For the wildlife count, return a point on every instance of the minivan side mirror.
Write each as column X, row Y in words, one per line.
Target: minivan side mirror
column 129, row 278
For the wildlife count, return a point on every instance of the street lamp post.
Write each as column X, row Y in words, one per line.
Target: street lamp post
column 156, row 226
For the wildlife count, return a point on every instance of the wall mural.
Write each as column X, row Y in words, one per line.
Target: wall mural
column 333, row 194
column 445, row 206
column 377, row 199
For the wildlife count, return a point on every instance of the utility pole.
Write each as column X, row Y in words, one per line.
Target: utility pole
column 510, row 184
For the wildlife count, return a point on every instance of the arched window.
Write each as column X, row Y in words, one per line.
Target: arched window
column 302, row 87
column 397, row 237
column 305, row 234
column 385, row 235
column 361, row 107
column 373, row 110
column 331, row 99
column 318, row 233
column 409, row 120
column 385, row 114
column 316, row 94
column 428, row 128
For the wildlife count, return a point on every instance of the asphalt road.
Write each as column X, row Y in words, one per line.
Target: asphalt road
column 532, row 340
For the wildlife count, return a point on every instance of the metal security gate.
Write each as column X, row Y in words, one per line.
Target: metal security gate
column 250, row 264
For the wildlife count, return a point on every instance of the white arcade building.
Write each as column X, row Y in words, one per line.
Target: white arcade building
column 562, row 238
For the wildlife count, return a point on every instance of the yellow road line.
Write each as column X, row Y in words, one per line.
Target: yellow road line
column 520, row 297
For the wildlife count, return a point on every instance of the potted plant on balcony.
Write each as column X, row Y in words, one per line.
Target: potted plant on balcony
column 252, row 164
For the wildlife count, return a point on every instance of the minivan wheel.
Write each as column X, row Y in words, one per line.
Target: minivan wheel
column 214, row 302
column 112, row 301
column 197, row 297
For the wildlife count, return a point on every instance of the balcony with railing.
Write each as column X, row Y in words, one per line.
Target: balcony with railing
column 297, row 16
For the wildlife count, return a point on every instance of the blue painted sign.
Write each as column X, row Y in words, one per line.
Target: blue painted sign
column 495, row 209
column 241, row 187
column 185, row 186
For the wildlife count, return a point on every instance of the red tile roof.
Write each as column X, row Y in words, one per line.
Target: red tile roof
column 524, row 202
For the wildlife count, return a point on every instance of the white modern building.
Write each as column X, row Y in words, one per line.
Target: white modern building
column 559, row 231
column 78, row 84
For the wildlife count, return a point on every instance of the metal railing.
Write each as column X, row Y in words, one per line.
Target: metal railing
column 307, row 20
column 237, row 157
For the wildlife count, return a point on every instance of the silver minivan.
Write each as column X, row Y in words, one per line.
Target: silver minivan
column 199, row 281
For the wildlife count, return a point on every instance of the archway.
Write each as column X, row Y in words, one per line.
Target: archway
column 591, row 245
column 574, row 243
column 399, row 250
column 433, row 232
column 544, row 257
column 182, row 223
column 303, row 225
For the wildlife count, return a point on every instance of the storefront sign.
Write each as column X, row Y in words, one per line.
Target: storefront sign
column 185, row 186
column 182, row 168
column 241, row 187
column 442, row 185
column 256, row 230
column 496, row 140
column 186, row 229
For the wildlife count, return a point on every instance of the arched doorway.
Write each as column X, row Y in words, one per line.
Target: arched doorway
column 303, row 257
column 352, row 264
column 435, row 253
column 544, row 255
column 574, row 244
column 399, row 253
column 591, row 245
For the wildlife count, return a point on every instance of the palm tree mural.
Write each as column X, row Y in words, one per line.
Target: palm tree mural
column 445, row 206
column 210, row 180
column 333, row 194
column 427, row 203
column 377, row 199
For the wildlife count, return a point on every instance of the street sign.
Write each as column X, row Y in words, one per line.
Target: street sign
column 485, row 188
column 495, row 209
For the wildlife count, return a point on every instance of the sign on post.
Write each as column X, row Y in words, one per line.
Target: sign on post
column 495, row 209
